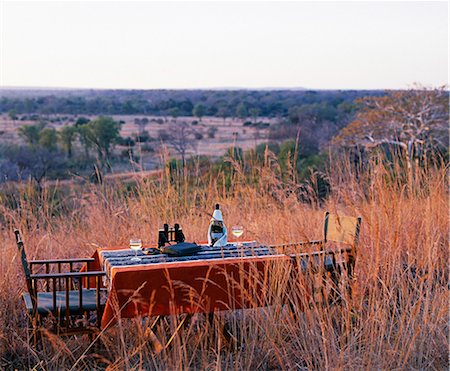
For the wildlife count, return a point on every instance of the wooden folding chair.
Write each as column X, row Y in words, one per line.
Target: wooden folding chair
column 341, row 238
column 333, row 259
column 65, row 300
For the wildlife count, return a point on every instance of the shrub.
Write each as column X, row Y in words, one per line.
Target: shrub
column 128, row 141
column 211, row 132
column 144, row 137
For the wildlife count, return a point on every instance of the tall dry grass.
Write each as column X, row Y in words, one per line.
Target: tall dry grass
column 397, row 317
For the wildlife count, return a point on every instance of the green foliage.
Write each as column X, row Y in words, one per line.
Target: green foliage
column 254, row 113
column 30, row 133
column 309, row 164
column 84, row 135
column 48, row 139
column 39, row 136
column 81, row 121
column 103, row 133
column 130, row 142
column 199, row 111
column 241, row 103
column 288, row 154
column 241, row 111
column 234, row 154
column 67, row 136
column 315, row 111
column 260, row 149
column 13, row 115
column 174, row 112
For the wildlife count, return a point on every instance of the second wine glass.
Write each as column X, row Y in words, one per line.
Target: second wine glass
column 237, row 232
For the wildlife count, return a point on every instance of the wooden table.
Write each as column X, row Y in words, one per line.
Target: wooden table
column 214, row 279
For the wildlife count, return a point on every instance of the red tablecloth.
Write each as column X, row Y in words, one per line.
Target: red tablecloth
column 188, row 286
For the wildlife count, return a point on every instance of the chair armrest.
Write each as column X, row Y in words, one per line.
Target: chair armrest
column 68, row 275
column 339, row 250
column 62, row 261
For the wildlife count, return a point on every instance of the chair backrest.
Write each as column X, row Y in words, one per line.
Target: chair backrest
column 342, row 229
column 23, row 258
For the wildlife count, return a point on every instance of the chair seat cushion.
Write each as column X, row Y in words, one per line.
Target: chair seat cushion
column 45, row 302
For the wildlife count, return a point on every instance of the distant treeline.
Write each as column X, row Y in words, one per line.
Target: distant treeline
column 220, row 103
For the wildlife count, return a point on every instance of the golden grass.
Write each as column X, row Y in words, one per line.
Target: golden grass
column 397, row 318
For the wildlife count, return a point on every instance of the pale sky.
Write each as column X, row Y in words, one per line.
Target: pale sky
column 150, row 45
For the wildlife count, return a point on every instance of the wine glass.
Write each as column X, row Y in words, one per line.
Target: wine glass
column 237, row 231
column 136, row 245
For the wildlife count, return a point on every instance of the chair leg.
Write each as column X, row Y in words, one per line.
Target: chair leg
column 35, row 332
column 30, row 333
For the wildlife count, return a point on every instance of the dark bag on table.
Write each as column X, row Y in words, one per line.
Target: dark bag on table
column 181, row 249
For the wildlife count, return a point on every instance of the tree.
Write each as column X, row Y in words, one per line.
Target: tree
column 67, row 136
column 30, row 133
column 103, row 133
column 13, row 115
column 141, row 124
column 84, row 135
column 199, row 111
column 22, row 162
column 254, row 112
column 48, row 139
column 241, row 111
column 175, row 113
column 181, row 136
column 414, row 120
column 223, row 112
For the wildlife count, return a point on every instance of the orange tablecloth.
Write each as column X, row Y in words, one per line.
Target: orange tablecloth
column 186, row 287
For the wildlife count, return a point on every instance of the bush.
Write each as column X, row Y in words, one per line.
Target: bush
column 127, row 153
column 144, row 137
column 128, row 141
column 212, row 132
column 163, row 135
column 147, row 148
column 198, row 135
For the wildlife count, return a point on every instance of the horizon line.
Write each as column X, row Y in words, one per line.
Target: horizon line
column 231, row 88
